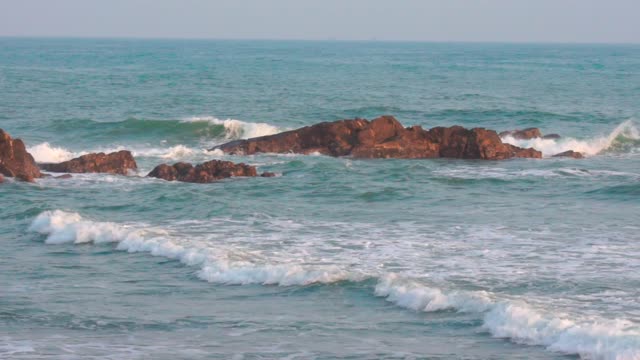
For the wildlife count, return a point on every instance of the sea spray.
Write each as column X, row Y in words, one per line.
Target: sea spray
column 624, row 138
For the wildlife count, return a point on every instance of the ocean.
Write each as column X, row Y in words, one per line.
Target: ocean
column 335, row 258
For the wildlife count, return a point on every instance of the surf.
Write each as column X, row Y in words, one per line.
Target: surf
column 624, row 138
column 501, row 317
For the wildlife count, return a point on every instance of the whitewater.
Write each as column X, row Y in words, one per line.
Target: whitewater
column 333, row 258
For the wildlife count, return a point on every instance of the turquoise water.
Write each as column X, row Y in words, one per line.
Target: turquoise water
column 334, row 258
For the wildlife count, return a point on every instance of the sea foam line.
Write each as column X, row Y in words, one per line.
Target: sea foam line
column 624, row 132
column 503, row 318
column 215, row 265
column 519, row 322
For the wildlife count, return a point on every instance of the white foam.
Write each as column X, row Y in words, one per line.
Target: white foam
column 550, row 147
column 215, row 264
column 520, row 323
column 513, row 319
column 237, row 129
column 45, row 153
column 411, row 295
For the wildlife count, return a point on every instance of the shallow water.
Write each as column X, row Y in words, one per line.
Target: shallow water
column 334, row 258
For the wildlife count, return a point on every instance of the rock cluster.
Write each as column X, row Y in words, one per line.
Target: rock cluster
column 120, row 162
column 15, row 161
column 383, row 137
column 207, row 172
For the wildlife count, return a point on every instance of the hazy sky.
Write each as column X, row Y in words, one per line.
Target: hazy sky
column 430, row 20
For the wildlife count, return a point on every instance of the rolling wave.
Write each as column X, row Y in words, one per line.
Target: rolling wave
column 182, row 129
column 624, row 138
column 47, row 153
column 136, row 129
column 516, row 320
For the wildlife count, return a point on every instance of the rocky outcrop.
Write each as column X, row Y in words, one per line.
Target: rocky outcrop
column 207, row 172
column 119, row 162
column 383, row 137
column 15, row 161
column 571, row 154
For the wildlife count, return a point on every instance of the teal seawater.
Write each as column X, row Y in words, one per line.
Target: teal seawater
column 334, row 258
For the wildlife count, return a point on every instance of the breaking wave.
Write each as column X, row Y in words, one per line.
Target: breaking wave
column 188, row 128
column 47, row 153
column 519, row 322
column 216, row 265
column 623, row 139
column 515, row 320
column 237, row 129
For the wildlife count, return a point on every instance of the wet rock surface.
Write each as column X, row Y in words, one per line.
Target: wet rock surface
column 120, row 162
column 383, row 137
column 15, row 161
column 207, row 172
column 571, row 154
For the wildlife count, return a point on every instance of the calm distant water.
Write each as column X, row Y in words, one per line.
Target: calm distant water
column 334, row 258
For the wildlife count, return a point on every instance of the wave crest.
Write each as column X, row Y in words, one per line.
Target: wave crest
column 237, row 129
column 519, row 322
column 503, row 318
column 624, row 138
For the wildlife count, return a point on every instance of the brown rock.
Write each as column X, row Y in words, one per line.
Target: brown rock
column 571, row 154
column 268, row 174
column 15, row 161
column 383, row 137
column 65, row 176
column 526, row 134
column 119, row 162
column 207, row 172
column 1, row 178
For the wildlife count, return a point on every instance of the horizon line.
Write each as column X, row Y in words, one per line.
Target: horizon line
column 329, row 39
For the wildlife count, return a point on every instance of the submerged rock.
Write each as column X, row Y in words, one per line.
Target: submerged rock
column 383, row 137
column 571, row 154
column 552, row 136
column 15, row 161
column 207, row 172
column 119, row 162
column 526, row 134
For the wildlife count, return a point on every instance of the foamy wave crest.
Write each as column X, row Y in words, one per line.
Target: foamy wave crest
column 625, row 137
column 519, row 322
column 66, row 227
column 237, row 129
column 45, row 153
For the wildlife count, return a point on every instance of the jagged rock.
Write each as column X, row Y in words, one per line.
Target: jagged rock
column 383, row 137
column 526, row 134
column 15, row 161
column 571, row 154
column 119, row 162
column 207, row 172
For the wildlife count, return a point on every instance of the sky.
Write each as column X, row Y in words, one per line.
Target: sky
column 582, row 21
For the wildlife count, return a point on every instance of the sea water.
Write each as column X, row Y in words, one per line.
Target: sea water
column 334, row 257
